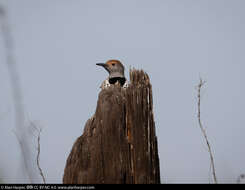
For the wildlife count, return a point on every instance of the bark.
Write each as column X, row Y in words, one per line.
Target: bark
column 119, row 144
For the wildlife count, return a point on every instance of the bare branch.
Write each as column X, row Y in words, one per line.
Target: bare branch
column 200, row 85
column 38, row 155
column 38, row 129
column 21, row 129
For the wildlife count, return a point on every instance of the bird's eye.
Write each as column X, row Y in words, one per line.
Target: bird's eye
column 113, row 64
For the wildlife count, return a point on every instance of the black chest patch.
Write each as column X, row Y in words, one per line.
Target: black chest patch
column 119, row 79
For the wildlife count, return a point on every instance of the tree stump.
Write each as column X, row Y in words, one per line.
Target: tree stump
column 119, row 144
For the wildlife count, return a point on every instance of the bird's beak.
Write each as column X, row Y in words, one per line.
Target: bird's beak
column 101, row 64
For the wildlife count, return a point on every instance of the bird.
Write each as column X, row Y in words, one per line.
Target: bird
column 116, row 74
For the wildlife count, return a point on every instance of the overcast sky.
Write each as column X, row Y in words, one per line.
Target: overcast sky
column 58, row 42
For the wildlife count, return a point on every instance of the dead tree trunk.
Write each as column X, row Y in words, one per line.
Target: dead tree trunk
column 118, row 144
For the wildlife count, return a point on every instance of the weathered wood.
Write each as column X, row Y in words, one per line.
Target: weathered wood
column 119, row 144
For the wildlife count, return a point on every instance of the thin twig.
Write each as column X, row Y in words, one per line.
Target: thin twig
column 203, row 130
column 38, row 155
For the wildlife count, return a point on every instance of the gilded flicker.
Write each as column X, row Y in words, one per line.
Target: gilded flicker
column 116, row 74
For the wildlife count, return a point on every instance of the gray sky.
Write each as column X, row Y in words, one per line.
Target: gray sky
column 58, row 42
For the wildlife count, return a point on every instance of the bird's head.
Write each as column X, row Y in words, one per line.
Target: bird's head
column 114, row 67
